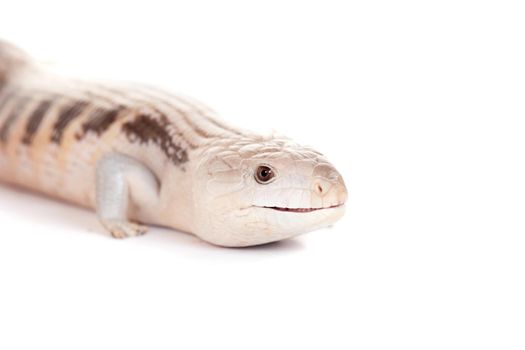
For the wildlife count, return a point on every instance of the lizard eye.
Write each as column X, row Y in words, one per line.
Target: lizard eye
column 264, row 174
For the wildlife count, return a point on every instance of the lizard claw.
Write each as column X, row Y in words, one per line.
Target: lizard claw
column 123, row 229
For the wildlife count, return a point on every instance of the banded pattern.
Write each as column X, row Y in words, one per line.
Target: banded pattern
column 174, row 124
column 145, row 129
column 99, row 121
column 65, row 117
column 20, row 104
column 180, row 111
column 35, row 120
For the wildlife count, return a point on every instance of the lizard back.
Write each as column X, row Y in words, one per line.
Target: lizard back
column 53, row 129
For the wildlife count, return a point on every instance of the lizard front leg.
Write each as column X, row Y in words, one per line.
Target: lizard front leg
column 123, row 181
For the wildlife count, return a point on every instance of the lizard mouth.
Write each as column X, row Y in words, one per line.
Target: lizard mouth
column 302, row 210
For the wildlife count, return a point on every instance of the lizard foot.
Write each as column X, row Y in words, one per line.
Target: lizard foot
column 123, row 229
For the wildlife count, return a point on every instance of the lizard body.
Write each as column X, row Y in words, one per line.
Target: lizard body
column 138, row 154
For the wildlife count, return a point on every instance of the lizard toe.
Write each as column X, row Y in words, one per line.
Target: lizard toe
column 123, row 229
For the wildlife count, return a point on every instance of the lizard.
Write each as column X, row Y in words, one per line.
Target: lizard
column 138, row 155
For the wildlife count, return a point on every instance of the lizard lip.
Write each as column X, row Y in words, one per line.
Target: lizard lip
column 302, row 210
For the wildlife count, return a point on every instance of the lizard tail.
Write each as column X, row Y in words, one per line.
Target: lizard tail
column 12, row 59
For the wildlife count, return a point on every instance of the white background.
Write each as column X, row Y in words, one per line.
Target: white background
column 420, row 105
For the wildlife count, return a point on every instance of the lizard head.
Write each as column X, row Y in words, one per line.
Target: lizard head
column 256, row 190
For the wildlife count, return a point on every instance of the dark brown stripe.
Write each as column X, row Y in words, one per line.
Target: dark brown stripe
column 99, row 121
column 67, row 115
column 145, row 129
column 35, row 120
column 15, row 113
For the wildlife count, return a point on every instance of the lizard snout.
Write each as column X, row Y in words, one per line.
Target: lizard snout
column 328, row 187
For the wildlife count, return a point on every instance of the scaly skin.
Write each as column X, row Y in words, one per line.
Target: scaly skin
column 139, row 155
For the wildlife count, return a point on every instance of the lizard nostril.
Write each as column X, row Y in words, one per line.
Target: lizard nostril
column 321, row 187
